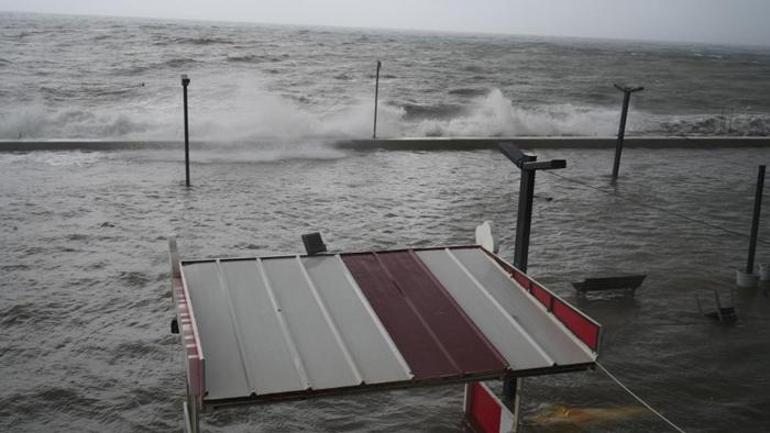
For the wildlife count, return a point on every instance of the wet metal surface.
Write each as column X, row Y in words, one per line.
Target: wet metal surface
column 301, row 324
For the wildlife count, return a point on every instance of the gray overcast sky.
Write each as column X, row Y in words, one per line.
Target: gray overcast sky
column 714, row 21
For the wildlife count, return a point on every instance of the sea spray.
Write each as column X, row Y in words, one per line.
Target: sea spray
column 118, row 79
column 497, row 115
column 243, row 112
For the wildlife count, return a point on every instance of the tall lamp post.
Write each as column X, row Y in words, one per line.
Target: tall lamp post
column 529, row 166
column 185, row 83
column 627, row 91
column 376, row 95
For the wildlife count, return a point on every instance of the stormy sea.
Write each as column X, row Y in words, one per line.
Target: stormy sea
column 85, row 303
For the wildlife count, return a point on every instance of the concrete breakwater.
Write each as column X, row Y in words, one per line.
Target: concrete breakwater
column 403, row 143
column 468, row 143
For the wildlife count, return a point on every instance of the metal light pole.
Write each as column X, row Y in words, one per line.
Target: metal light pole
column 755, row 219
column 627, row 91
column 376, row 95
column 529, row 166
column 185, row 83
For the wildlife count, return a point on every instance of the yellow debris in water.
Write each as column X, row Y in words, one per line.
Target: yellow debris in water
column 563, row 416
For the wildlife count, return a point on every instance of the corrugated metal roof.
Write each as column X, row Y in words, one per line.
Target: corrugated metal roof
column 287, row 324
column 429, row 328
column 515, row 322
column 279, row 327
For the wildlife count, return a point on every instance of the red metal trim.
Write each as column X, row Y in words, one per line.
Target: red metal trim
column 196, row 374
column 541, row 294
column 575, row 322
column 582, row 326
column 484, row 410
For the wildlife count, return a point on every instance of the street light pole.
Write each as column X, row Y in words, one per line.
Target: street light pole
column 376, row 96
column 185, row 83
column 627, row 91
column 529, row 165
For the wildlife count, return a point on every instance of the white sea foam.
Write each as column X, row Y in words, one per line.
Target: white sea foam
column 241, row 112
column 38, row 122
column 253, row 115
column 496, row 115
column 54, row 159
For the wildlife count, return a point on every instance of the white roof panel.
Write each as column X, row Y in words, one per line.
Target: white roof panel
column 225, row 373
column 271, row 361
column 373, row 352
column 504, row 311
column 315, row 336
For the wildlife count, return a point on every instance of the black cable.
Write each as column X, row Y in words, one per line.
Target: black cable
column 658, row 208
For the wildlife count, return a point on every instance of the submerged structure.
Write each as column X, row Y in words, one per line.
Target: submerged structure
column 262, row 329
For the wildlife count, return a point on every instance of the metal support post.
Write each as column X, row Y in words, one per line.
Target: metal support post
column 755, row 219
column 376, row 96
column 185, row 83
column 524, row 218
column 528, row 165
column 512, row 387
column 627, row 91
column 190, row 414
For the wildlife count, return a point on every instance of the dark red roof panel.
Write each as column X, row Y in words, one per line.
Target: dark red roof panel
column 432, row 332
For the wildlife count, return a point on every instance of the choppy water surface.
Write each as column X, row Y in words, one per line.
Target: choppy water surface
column 85, row 304
column 84, row 290
column 100, row 78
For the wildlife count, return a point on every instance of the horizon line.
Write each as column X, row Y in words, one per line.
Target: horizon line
column 403, row 29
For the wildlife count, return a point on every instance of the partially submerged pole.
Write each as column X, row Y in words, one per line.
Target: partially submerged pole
column 376, row 95
column 512, row 387
column 755, row 220
column 528, row 165
column 627, row 91
column 185, row 83
column 524, row 216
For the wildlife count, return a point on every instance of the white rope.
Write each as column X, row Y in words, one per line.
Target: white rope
column 639, row 399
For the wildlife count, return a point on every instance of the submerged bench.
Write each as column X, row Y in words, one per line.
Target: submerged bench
column 629, row 282
column 720, row 313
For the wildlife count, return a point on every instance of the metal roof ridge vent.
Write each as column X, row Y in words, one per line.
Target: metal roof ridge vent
column 330, row 322
column 298, row 364
column 500, row 308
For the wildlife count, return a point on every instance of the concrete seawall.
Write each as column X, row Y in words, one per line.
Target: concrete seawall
column 407, row 143
column 469, row 143
column 85, row 145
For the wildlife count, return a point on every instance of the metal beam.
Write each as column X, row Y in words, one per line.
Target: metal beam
column 185, row 83
column 512, row 387
column 553, row 164
column 514, row 154
column 755, row 219
column 529, row 165
column 524, row 219
column 627, row 91
column 376, row 96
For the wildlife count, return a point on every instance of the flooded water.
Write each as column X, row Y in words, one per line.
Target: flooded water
column 85, row 304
